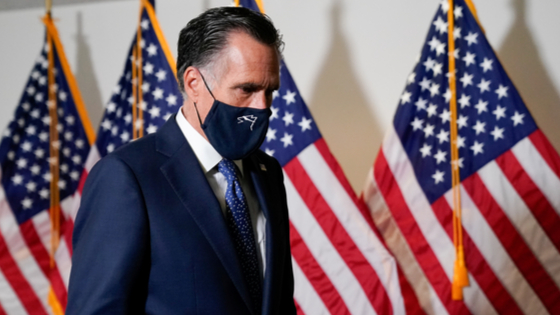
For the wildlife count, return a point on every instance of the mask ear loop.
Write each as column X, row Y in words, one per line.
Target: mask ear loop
column 195, row 107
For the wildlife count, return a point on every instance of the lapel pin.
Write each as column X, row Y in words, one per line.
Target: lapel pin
column 263, row 168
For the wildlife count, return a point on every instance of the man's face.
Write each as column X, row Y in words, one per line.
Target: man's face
column 247, row 73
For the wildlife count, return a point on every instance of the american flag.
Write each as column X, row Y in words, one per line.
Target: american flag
column 160, row 99
column 44, row 146
column 340, row 265
column 510, row 179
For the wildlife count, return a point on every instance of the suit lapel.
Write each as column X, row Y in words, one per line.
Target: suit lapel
column 274, row 252
column 187, row 179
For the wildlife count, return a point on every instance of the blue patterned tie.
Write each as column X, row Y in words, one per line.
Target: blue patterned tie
column 239, row 223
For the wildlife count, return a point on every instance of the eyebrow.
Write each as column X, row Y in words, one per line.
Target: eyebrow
column 253, row 86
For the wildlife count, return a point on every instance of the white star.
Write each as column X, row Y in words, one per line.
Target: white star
column 484, row 85
column 17, row 179
column 275, row 94
column 500, row 112
column 128, row 118
column 30, row 90
column 21, row 163
column 288, row 118
column 437, row 69
column 64, row 168
column 502, row 91
column 426, row 150
column 77, row 159
column 289, row 97
column 106, row 124
column 305, row 124
column 469, row 59
column 477, row 148
column 166, row 116
column 405, row 97
column 161, row 75
column 148, row 68
column 79, row 143
column 481, row 106
column 44, row 193
column 145, row 87
column 456, row 33
column 432, row 110
column 68, row 135
column 444, row 6
column 462, row 121
column 443, row 136
column 269, row 151
column 158, row 94
column 434, row 89
column 479, row 127
column 455, row 53
column 39, row 97
column 274, row 111
column 445, row 116
column 154, row 111
column 425, row 83
column 429, row 64
column 111, row 107
column 27, row 203
column 441, row 25
column 417, row 123
column 152, row 49
column 460, row 142
column 31, row 130
column 411, row 78
column 117, row 89
column 420, row 104
column 428, row 130
column 458, row 12
column 125, row 137
column 433, row 43
column 26, row 146
column 438, row 176
column 145, row 24
column 465, row 101
column 39, row 153
column 62, row 184
column 287, row 139
column 47, row 177
column 472, row 38
column 517, row 118
column 447, row 95
column 440, row 49
column 440, row 156
column 110, row 147
column 270, row 134
column 62, row 95
column 74, row 175
column 497, row 133
column 466, row 79
column 31, row 186
column 151, row 129
column 487, row 64
column 171, row 100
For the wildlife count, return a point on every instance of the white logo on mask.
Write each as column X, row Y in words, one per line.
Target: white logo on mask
column 250, row 118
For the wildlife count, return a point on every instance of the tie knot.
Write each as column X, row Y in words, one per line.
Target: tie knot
column 227, row 168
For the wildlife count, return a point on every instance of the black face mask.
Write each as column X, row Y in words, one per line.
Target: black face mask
column 235, row 132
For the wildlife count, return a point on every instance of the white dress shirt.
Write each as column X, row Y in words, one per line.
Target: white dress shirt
column 208, row 159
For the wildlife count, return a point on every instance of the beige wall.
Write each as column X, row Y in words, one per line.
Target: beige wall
column 350, row 58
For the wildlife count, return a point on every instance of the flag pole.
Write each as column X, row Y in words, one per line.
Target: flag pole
column 460, row 274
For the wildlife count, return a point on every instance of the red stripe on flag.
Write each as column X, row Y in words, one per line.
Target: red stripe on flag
column 66, row 229
column 316, row 276
column 532, row 196
column 411, row 303
column 42, row 258
column 17, row 281
column 298, row 308
column 82, row 181
column 416, row 241
column 514, row 244
column 477, row 265
column 323, row 149
column 2, row 311
column 345, row 246
column 546, row 150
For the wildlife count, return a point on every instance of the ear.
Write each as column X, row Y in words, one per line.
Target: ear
column 193, row 83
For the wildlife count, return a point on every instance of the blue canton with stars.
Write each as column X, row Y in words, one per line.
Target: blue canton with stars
column 24, row 150
column 291, row 126
column 161, row 96
column 491, row 117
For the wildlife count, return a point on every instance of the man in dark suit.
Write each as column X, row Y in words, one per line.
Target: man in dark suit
column 193, row 219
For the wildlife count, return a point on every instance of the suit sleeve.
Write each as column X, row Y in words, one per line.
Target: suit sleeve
column 111, row 244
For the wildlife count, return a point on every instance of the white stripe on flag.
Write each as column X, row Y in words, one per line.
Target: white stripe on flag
column 522, row 218
column 539, row 171
column 418, row 203
column 63, row 261
column 305, row 295
column 427, row 297
column 496, row 256
column 325, row 254
column 8, row 298
column 42, row 223
column 20, row 252
column 354, row 223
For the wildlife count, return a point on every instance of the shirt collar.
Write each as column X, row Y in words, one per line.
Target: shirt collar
column 207, row 156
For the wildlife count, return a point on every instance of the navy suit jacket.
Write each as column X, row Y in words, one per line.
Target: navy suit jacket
column 150, row 236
